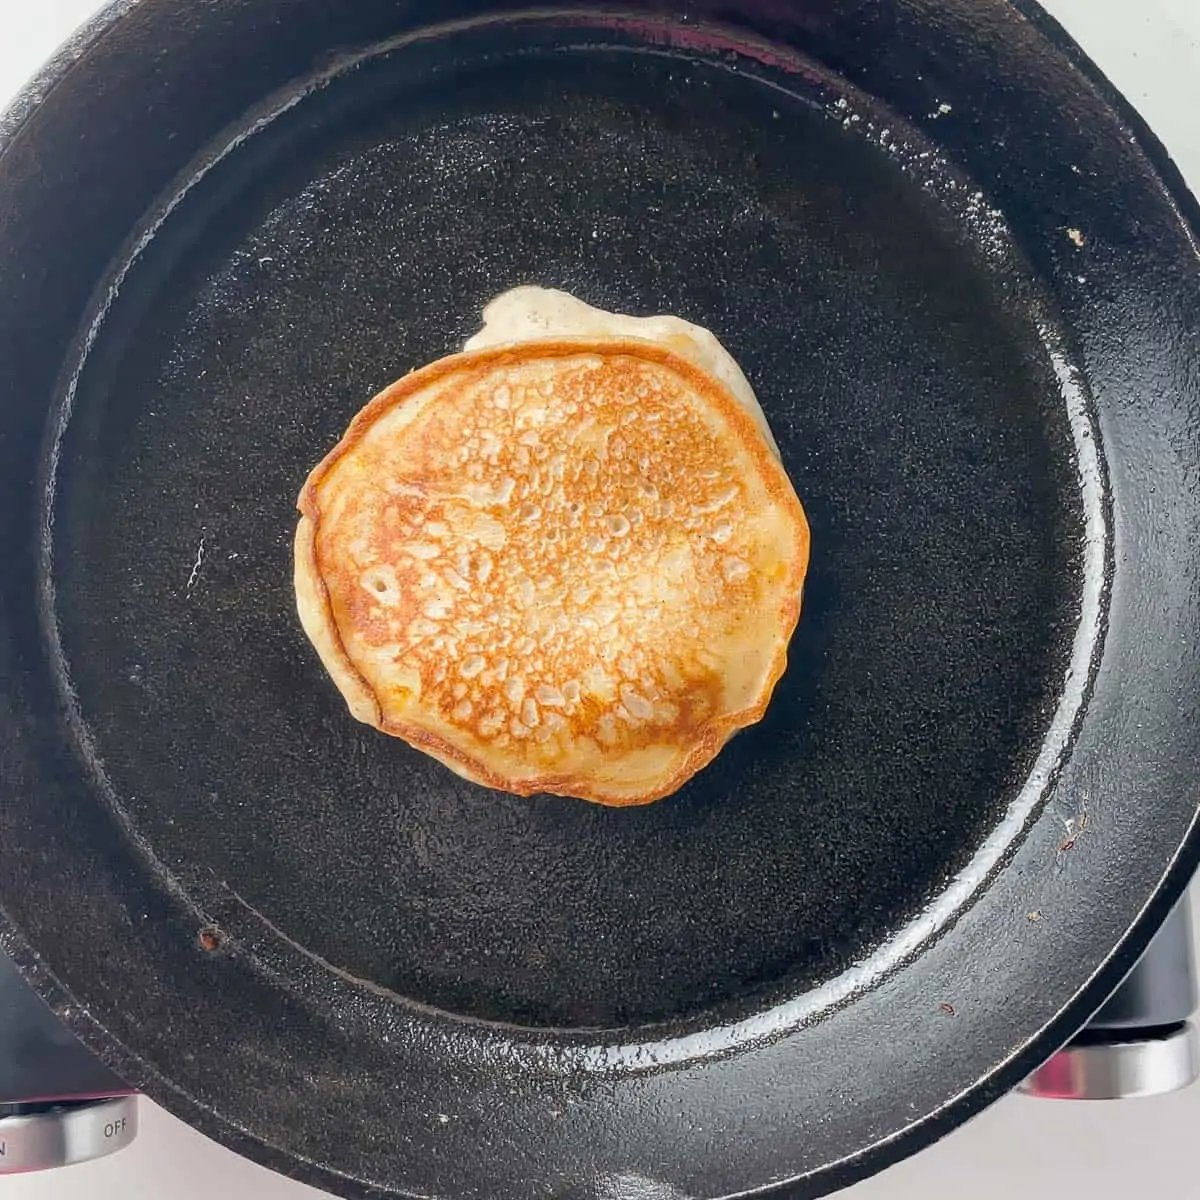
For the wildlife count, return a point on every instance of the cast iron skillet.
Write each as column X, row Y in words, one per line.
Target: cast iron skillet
column 958, row 272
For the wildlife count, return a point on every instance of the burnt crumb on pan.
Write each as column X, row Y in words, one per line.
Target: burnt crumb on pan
column 211, row 939
column 1075, row 827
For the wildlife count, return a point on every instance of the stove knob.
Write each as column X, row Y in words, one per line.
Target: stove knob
column 40, row 1137
column 1149, row 1064
column 1141, row 1042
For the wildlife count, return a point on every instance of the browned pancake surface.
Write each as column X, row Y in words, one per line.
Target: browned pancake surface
column 562, row 566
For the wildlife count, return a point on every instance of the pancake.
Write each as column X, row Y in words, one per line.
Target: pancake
column 568, row 565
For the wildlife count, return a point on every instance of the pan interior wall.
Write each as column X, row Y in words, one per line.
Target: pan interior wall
column 358, row 236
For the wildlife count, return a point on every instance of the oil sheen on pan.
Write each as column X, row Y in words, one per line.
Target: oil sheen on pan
column 566, row 560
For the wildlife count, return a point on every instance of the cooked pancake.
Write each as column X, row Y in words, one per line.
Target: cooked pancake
column 567, row 565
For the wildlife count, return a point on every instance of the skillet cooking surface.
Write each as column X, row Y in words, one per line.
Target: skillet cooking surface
column 876, row 911
column 360, row 237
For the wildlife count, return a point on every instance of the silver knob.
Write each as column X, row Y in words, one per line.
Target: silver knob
column 1143, row 1065
column 41, row 1137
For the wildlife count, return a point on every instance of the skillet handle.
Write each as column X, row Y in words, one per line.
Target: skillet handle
column 1141, row 1042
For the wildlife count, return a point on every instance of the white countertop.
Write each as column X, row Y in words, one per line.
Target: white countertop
column 1019, row 1149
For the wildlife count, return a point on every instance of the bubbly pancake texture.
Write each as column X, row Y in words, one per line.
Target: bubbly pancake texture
column 530, row 313
column 568, row 566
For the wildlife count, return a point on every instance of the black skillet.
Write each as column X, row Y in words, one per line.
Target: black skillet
column 957, row 270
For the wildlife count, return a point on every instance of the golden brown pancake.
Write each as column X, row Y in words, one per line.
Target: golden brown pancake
column 567, row 565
